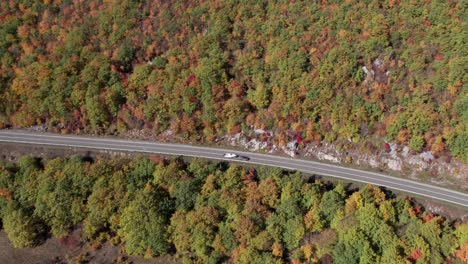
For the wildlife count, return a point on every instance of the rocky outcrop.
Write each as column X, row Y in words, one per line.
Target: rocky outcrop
column 396, row 158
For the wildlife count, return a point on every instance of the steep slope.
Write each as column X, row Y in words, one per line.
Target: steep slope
column 328, row 71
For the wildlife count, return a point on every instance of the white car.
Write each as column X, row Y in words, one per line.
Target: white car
column 235, row 156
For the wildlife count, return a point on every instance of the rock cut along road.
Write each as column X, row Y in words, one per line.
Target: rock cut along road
column 115, row 144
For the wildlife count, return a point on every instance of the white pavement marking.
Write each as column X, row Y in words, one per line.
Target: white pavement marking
column 404, row 185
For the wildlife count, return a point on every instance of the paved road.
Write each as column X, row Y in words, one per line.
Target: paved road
column 407, row 186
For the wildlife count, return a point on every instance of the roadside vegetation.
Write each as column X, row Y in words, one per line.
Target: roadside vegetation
column 344, row 70
column 207, row 212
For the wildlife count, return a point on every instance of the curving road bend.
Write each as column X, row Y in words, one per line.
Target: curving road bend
column 115, row 144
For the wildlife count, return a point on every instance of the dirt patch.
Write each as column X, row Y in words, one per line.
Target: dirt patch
column 71, row 249
column 10, row 152
column 49, row 252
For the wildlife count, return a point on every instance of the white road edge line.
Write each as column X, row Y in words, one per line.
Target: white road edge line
column 208, row 157
column 362, row 174
column 225, row 150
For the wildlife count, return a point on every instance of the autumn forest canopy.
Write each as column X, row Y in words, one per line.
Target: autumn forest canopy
column 205, row 212
column 330, row 70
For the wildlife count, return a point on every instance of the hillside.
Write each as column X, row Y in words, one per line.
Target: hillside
column 205, row 212
column 352, row 70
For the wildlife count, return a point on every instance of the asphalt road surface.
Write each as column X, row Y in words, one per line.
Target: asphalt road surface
column 115, row 144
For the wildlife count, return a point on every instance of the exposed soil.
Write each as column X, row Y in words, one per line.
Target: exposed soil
column 49, row 252
column 12, row 151
column 71, row 249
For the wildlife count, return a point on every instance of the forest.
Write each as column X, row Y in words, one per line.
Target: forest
column 206, row 212
column 327, row 70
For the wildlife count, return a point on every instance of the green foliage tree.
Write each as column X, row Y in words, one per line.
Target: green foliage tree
column 331, row 202
column 353, row 247
column 106, row 201
column 458, row 145
column 62, row 194
column 19, row 226
column 144, row 222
